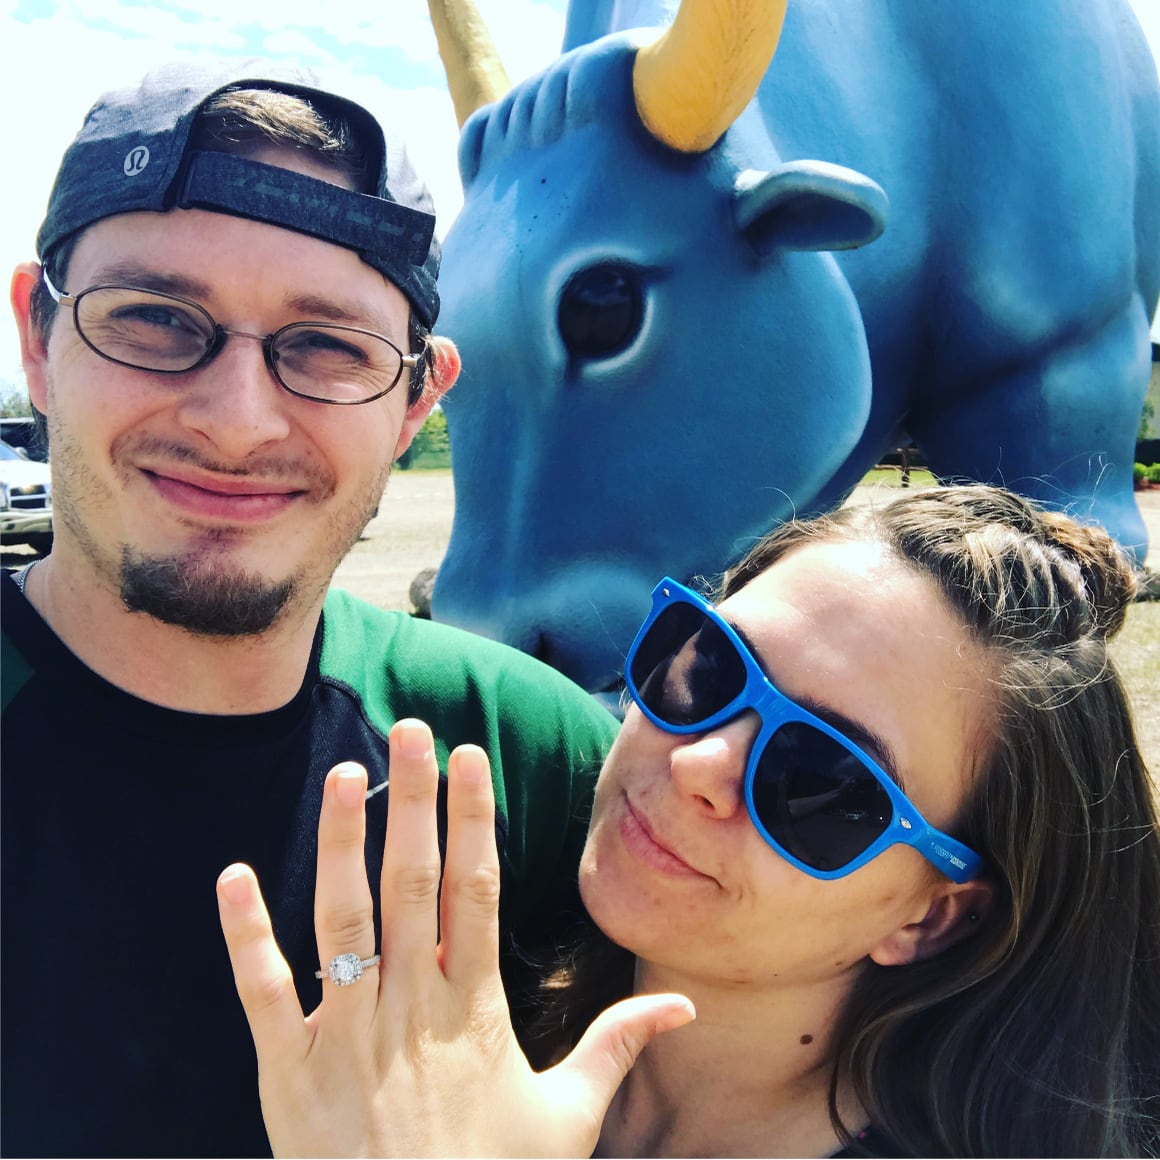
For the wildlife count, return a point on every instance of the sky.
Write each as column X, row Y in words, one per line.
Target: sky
column 57, row 56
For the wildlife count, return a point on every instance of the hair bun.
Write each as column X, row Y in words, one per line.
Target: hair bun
column 1108, row 573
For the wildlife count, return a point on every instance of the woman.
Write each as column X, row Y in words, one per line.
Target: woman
column 881, row 816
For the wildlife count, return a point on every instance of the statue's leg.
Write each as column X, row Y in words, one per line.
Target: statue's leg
column 1061, row 429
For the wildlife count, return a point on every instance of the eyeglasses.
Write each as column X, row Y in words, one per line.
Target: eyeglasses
column 150, row 331
column 821, row 802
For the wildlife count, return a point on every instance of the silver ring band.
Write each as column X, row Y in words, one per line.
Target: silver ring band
column 343, row 970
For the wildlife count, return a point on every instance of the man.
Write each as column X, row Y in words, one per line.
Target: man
column 228, row 338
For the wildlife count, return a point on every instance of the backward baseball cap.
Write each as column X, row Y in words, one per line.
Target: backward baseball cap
column 133, row 153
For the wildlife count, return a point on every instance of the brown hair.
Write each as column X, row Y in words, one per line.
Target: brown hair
column 1039, row 1034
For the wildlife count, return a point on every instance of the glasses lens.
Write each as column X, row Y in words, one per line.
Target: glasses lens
column 335, row 364
column 140, row 329
column 685, row 668
column 816, row 798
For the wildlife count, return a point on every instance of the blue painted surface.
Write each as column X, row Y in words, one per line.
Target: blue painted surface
column 1012, row 153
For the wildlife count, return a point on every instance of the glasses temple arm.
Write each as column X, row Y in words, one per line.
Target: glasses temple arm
column 58, row 296
column 958, row 862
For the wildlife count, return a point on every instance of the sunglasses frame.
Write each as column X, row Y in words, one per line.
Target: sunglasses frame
column 907, row 825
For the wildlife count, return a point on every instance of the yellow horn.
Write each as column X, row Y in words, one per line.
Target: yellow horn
column 475, row 73
column 692, row 83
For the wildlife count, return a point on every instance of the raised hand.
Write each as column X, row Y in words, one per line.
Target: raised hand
column 417, row 1057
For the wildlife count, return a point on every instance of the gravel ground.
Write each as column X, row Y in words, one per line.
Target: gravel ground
column 410, row 533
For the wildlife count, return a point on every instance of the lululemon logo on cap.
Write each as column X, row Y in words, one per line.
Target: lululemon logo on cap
column 136, row 160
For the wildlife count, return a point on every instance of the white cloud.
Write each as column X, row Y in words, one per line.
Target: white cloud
column 290, row 44
column 522, row 32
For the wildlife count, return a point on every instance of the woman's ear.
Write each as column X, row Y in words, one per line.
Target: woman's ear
column 957, row 912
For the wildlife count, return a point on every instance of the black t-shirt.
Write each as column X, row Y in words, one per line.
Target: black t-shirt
column 121, row 1030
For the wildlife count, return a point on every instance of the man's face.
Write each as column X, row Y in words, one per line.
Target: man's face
column 216, row 499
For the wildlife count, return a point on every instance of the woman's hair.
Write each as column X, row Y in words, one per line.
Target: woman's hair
column 1038, row 1035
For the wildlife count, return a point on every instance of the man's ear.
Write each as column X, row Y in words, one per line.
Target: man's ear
column 440, row 379
column 33, row 348
column 957, row 912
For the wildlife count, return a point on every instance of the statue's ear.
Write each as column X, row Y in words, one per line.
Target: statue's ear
column 808, row 205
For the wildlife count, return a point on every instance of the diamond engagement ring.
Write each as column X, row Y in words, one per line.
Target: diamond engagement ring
column 346, row 969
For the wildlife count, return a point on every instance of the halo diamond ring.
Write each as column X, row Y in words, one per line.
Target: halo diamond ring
column 344, row 970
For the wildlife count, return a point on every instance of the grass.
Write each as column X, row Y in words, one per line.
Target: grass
column 892, row 477
column 1136, row 652
column 427, row 461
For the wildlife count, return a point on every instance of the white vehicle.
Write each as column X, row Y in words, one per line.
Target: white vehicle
column 25, row 500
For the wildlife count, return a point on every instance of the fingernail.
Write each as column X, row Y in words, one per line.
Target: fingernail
column 677, row 1016
column 235, row 885
column 414, row 740
column 471, row 765
column 350, row 785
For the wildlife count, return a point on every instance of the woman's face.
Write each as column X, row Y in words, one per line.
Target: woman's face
column 674, row 869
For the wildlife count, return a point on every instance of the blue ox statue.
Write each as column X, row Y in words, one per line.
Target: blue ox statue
column 676, row 331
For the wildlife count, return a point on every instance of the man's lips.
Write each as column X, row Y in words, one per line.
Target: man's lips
column 233, row 498
column 642, row 840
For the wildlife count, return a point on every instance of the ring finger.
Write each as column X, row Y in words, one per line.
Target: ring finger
column 343, row 911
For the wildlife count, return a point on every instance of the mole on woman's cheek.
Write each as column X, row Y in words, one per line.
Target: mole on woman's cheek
column 806, row 1039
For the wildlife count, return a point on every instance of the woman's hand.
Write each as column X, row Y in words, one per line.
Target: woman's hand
column 418, row 1057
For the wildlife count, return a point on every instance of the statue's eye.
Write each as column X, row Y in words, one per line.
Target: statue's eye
column 600, row 311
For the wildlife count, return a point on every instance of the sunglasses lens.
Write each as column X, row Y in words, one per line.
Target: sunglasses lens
column 816, row 799
column 685, row 668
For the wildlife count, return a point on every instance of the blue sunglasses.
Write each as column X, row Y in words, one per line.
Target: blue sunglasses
column 821, row 802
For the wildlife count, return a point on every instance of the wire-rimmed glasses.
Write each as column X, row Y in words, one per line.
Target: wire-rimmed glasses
column 164, row 334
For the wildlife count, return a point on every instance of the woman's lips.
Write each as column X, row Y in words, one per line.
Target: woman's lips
column 642, row 841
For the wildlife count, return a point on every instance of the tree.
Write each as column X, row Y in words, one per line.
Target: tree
column 430, row 447
column 14, row 405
